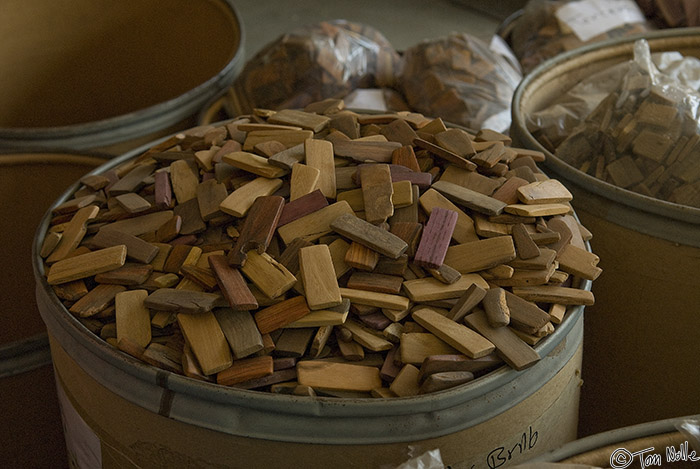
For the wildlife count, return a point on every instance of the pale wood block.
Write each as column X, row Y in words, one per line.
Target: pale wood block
column 522, row 278
column 132, row 316
column 96, row 300
column 556, row 313
column 73, row 233
column 417, row 346
column 50, row 242
column 541, row 262
column 369, row 235
column 140, row 225
column 471, row 180
column 240, row 331
column 184, row 179
column 86, row 265
column 287, row 158
column 406, row 382
column 496, row 307
column 305, row 120
column 314, row 225
column 458, row 336
column 579, row 262
column 549, row 191
column 510, row 347
column 183, row 300
column 159, row 260
column 525, row 315
column 367, row 338
column 288, row 138
column 304, row 180
column 317, row 272
column 365, row 150
column 380, row 300
column 245, row 370
column 377, row 189
column 457, row 141
column 396, row 314
column 469, row 198
column 319, row 155
column 430, row 289
column 448, row 363
column 254, row 164
column 526, row 247
column 319, row 318
column 271, row 277
column 338, row 250
column 319, row 341
column 464, row 231
column 338, row 376
column 132, row 202
column 480, row 255
column 129, row 274
column 538, row 210
column 351, row 351
column 553, row 294
column 239, row 201
column 383, row 393
column 207, row 340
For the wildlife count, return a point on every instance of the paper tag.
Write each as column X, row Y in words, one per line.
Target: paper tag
column 589, row 18
column 83, row 444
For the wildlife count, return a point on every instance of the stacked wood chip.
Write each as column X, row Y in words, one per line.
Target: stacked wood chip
column 334, row 254
column 538, row 34
column 642, row 138
column 319, row 61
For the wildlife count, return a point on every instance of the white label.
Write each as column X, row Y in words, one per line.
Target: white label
column 83, row 444
column 589, row 18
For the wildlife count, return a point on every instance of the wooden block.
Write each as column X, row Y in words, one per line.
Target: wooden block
column 73, row 233
column 320, row 284
column 351, row 351
column 430, row 289
column 409, row 232
column 207, row 341
column 525, row 315
column 458, row 336
column 436, row 238
column 254, row 164
column 361, row 257
column 271, row 277
column 319, row 341
column 140, row 225
column 579, row 262
column 445, row 274
column 362, row 151
column 304, row 180
column 286, row 159
column 232, row 284
column 369, row 235
column 556, row 313
column 169, row 230
column 450, row 363
column 457, row 141
column 258, row 228
column 508, row 192
column 513, row 350
column 305, row 120
column 367, row 338
column 392, row 266
column 471, row 180
column 469, row 198
column 290, row 256
column 390, row 368
column 132, row 181
column 319, row 155
column 525, row 246
column 132, row 203
column 405, row 156
column 288, row 138
column 279, row 315
column 183, row 301
column 71, row 291
column 86, row 265
column 399, row 131
column 490, row 156
column 276, row 377
column 496, row 307
column 210, row 194
column 96, row 300
column 521, row 278
column 320, row 318
column 181, row 255
column 480, row 255
column 244, row 370
column 537, row 210
column 380, row 300
column 471, row 297
column 239, row 201
column 184, row 179
column 192, row 221
column 541, row 262
column 132, row 316
column 406, row 382
column 446, row 155
column 294, row 342
column 444, row 380
column 464, row 231
column 164, row 357
column 158, row 262
column 302, row 206
column 128, row 274
column 136, row 248
column 377, row 189
column 417, row 346
column 338, row 376
column 375, row 282
column 553, row 294
column 190, row 367
column 345, row 123
column 549, row 191
column 315, row 224
column 408, row 213
column 50, row 242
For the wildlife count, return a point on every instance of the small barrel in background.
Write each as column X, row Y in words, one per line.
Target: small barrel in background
column 640, row 362
column 110, row 76
column 31, row 432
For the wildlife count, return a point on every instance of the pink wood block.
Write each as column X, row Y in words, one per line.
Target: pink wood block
column 436, row 238
column 163, row 193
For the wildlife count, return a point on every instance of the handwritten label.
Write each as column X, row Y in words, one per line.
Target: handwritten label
column 589, row 18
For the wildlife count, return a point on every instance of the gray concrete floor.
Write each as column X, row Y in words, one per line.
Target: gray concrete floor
column 403, row 22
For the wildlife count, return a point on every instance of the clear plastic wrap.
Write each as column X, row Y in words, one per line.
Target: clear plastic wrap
column 690, row 428
column 315, row 62
column 643, row 136
column 550, row 27
column 459, row 78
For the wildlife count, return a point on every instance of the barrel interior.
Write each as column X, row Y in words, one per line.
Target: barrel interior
column 74, row 62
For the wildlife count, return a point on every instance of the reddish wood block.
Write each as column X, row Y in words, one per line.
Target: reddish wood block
column 278, row 315
column 302, row 206
column 258, row 228
column 232, row 284
column 436, row 238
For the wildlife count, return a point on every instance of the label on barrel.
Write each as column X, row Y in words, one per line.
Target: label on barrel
column 83, row 444
column 589, row 18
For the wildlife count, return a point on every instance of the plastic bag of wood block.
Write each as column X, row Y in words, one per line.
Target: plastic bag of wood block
column 644, row 136
column 671, row 13
column 460, row 79
column 550, row 27
column 315, row 62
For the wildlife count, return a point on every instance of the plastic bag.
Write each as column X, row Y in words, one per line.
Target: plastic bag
column 315, row 62
column 643, row 136
column 550, row 27
column 460, row 79
column 690, row 428
column 428, row 460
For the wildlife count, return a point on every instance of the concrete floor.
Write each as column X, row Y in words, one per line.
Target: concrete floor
column 403, row 22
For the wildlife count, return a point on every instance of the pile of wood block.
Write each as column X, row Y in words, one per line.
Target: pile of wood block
column 323, row 253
